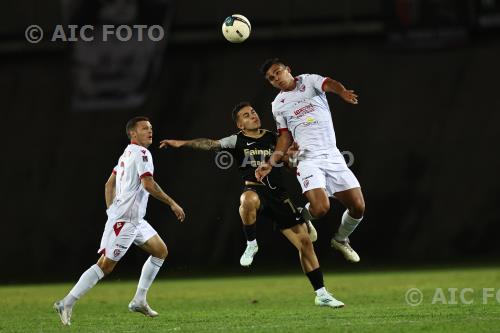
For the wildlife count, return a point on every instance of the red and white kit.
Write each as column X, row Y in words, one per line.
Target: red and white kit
column 304, row 112
column 126, row 224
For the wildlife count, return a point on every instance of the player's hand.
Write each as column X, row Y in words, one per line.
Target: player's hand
column 293, row 153
column 178, row 211
column 171, row 143
column 349, row 96
column 262, row 171
column 293, row 149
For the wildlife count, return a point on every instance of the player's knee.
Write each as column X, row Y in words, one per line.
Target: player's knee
column 305, row 243
column 320, row 210
column 162, row 253
column 357, row 209
column 106, row 266
column 249, row 200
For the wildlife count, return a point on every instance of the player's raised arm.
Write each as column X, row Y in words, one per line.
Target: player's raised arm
column 331, row 85
column 109, row 189
column 155, row 190
column 201, row 144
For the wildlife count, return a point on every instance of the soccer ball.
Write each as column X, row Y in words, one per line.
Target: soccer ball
column 236, row 28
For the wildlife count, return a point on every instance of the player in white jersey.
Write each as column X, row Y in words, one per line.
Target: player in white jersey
column 302, row 115
column 126, row 192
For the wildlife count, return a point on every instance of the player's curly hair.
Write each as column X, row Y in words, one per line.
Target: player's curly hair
column 237, row 109
column 132, row 122
column 268, row 63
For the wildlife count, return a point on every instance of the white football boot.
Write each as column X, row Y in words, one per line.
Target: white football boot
column 247, row 257
column 345, row 249
column 63, row 312
column 327, row 299
column 143, row 308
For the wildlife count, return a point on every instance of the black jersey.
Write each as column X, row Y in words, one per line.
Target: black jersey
column 249, row 153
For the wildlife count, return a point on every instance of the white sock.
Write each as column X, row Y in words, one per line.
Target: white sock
column 346, row 227
column 148, row 274
column 252, row 242
column 88, row 280
column 321, row 291
column 306, row 214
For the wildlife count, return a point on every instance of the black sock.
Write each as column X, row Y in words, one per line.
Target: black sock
column 316, row 278
column 250, row 231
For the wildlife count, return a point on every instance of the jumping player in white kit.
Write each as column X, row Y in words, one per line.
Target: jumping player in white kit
column 302, row 115
column 127, row 191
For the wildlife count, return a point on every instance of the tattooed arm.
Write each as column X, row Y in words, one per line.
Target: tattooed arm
column 201, row 144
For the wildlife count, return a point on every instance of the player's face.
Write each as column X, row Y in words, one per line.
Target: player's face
column 248, row 119
column 279, row 77
column 143, row 133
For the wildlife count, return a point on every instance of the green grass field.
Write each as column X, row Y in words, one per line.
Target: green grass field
column 375, row 302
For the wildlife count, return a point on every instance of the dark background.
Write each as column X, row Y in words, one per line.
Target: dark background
column 425, row 134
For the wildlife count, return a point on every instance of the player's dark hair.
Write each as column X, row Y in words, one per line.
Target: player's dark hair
column 268, row 63
column 133, row 122
column 237, row 109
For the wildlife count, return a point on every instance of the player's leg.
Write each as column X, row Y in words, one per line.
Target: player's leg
column 312, row 180
column 345, row 188
column 249, row 205
column 298, row 236
column 116, row 239
column 148, row 240
column 318, row 203
column 353, row 200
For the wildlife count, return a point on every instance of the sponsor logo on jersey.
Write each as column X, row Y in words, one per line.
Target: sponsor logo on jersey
column 262, row 152
column 255, row 157
column 304, row 110
column 250, row 143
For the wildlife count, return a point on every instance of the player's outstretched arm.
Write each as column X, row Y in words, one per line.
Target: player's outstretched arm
column 330, row 85
column 201, row 144
column 155, row 190
column 109, row 189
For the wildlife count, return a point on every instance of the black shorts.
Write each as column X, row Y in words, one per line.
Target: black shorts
column 277, row 206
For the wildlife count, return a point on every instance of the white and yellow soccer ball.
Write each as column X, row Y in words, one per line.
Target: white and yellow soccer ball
column 236, row 28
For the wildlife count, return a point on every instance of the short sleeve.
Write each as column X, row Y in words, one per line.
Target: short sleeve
column 317, row 81
column 144, row 163
column 228, row 142
column 281, row 124
column 114, row 170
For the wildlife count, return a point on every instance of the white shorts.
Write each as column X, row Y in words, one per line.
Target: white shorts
column 118, row 236
column 323, row 173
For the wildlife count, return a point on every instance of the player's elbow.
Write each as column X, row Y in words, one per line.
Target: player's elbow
column 148, row 183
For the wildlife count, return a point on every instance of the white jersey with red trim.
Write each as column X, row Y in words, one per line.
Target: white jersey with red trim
column 131, row 199
column 304, row 112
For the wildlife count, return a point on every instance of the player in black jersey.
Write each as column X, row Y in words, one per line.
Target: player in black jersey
column 251, row 147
